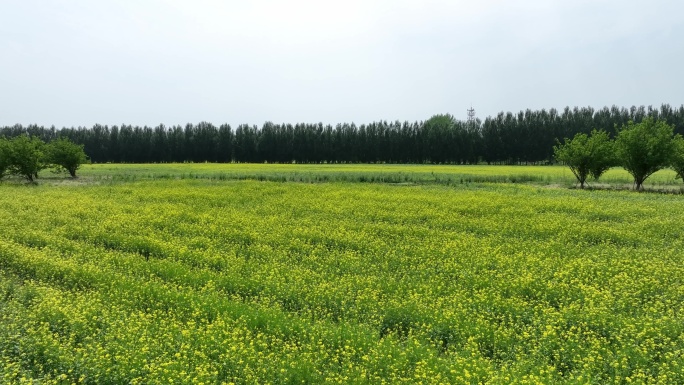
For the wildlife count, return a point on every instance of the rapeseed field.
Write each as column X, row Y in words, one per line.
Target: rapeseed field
column 199, row 275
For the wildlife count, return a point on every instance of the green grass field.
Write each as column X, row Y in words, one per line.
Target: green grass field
column 213, row 274
column 420, row 174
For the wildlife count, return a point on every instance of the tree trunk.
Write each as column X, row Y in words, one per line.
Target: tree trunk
column 639, row 184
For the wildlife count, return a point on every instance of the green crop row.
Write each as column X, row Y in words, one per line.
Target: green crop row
column 615, row 178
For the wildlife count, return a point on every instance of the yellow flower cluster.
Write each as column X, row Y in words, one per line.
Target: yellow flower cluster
column 204, row 281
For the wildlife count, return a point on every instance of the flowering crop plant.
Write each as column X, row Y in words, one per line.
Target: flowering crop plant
column 195, row 278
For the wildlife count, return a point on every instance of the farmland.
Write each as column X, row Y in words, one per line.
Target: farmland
column 214, row 274
column 383, row 173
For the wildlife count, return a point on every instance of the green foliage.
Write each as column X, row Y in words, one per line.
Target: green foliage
column 26, row 156
column 444, row 139
column 644, row 148
column 441, row 122
column 587, row 155
column 525, row 137
column 64, row 154
column 4, row 157
column 436, row 144
column 603, row 152
column 677, row 161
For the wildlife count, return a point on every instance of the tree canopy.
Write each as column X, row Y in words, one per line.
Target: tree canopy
column 644, row 148
column 4, row 157
column 64, row 154
column 586, row 155
column 26, row 156
column 677, row 161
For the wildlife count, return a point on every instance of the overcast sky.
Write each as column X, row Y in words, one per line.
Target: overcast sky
column 145, row 62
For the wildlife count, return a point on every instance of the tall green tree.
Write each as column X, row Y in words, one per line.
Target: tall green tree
column 66, row 155
column 225, row 143
column 586, row 155
column 439, row 145
column 644, row 148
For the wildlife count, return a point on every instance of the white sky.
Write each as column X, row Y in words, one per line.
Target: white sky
column 145, row 62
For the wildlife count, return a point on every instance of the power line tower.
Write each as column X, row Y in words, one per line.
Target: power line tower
column 471, row 114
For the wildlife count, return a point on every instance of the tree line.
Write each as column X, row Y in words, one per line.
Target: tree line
column 527, row 137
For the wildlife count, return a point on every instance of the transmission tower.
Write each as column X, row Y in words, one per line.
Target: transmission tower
column 471, row 114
